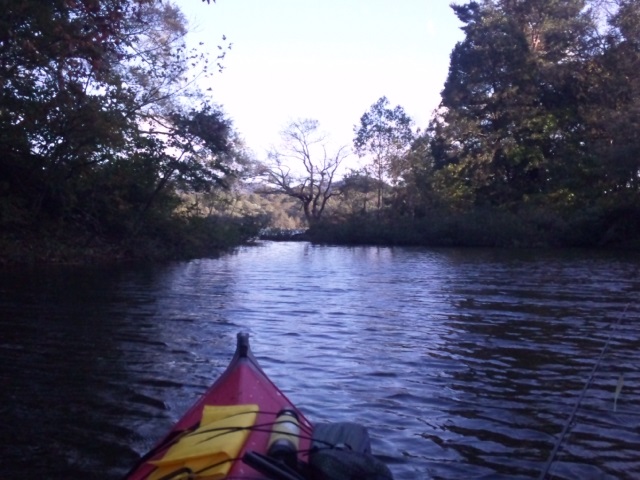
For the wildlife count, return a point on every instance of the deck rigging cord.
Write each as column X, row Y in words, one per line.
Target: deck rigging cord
column 567, row 425
column 175, row 436
column 262, row 427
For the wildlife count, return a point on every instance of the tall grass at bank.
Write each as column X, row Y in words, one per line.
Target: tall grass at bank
column 485, row 227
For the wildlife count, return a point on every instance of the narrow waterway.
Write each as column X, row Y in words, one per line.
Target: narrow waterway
column 463, row 363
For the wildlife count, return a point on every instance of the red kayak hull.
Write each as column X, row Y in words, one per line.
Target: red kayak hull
column 243, row 382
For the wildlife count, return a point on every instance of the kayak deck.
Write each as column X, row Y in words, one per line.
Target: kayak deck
column 244, row 427
column 243, row 384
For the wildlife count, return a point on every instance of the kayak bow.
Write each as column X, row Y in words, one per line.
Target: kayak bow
column 234, row 418
column 244, row 427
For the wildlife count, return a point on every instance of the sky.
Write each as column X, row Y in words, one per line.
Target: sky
column 328, row 60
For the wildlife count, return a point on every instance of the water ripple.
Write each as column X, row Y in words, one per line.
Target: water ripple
column 463, row 363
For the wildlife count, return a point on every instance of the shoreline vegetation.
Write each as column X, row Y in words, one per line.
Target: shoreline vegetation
column 180, row 239
column 111, row 152
column 183, row 239
column 484, row 228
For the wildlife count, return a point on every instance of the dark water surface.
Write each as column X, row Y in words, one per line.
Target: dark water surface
column 463, row 363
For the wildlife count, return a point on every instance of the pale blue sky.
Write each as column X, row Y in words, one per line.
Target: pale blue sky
column 324, row 59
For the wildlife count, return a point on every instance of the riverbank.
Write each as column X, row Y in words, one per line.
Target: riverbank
column 179, row 239
column 492, row 228
column 185, row 238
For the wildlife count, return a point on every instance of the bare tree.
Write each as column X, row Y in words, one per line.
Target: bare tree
column 301, row 168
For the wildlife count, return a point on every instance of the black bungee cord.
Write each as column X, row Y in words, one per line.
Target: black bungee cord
column 263, row 427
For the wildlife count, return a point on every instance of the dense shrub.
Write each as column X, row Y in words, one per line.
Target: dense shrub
column 486, row 227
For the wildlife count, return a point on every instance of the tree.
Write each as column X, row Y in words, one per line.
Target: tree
column 509, row 126
column 100, row 118
column 415, row 195
column 613, row 111
column 57, row 115
column 357, row 189
column 385, row 134
column 301, row 168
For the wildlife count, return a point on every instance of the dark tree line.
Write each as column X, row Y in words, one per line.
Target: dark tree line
column 536, row 140
column 531, row 101
column 107, row 145
column 101, row 126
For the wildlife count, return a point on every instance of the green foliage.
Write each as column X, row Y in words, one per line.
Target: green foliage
column 488, row 227
column 110, row 152
column 613, row 107
column 384, row 134
column 276, row 211
column 357, row 193
column 511, row 101
column 535, row 143
column 536, row 140
column 100, row 124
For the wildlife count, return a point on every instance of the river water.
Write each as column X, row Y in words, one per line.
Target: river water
column 462, row 363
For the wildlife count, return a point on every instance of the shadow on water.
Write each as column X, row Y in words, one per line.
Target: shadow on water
column 90, row 361
column 463, row 363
